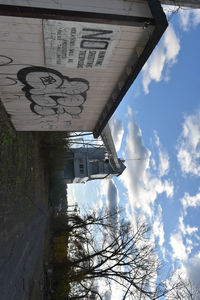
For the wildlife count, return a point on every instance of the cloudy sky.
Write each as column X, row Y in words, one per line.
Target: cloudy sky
column 156, row 129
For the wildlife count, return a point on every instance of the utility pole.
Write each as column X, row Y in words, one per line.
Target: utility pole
column 182, row 3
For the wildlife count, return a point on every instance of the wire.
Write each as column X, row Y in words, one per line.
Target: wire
column 133, row 158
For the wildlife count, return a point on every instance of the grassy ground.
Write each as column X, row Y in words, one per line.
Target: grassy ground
column 26, row 161
column 23, row 186
column 17, row 175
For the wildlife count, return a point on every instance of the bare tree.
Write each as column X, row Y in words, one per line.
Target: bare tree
column 104, row 249
column 73, row 222
column 117, row 253
column 185, row 289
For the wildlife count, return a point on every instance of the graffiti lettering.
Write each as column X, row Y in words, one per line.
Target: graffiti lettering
column 8, row 69
column 97, row 34
column 7, row 81
column 51, row 93
column 5, row 60
column 95, row 45
column 95, row 39
column 13, row 97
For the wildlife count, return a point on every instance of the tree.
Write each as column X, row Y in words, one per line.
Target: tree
column 184, row 290
column 104, row 249
column 112, row 251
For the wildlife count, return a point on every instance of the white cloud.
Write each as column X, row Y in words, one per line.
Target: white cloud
column 98, row 205
column 189, row 145
column 186, row 229
column 157, row 227
column 189, row 18
column 142, row 186
column 164, row 163
column 190, row 201
column 184, row 16
column 117, row 292
column 189, row 272
column 196, row 17
column 153, row 164
column 190, row 230
column 110, row 192
column 171, row 45
column 170, row 9
column 184, row 241
column 90, row 192
column 178, row 247
column 71, row 198
column 197, row 237
column 153, row 68
column 117, row 131
column 193, row 269
column 190, row 280
column 189, row 242
column 163, row 158
column 164, row 55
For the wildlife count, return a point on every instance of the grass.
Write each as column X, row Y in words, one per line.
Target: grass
column 27, row 161
column 21, row 170
column 16, row 178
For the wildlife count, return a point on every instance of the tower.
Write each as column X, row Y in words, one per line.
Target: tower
column 87, row 164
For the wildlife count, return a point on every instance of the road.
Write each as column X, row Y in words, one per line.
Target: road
column 20, row 255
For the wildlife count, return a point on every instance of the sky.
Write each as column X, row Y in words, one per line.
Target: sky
column 156, row 129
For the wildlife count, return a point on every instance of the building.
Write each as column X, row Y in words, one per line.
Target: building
column 66, row 65
column 87, row 164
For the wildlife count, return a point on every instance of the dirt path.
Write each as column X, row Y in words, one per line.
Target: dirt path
column 23, row 211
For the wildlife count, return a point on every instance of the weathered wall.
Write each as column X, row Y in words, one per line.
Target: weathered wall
column 58, row 75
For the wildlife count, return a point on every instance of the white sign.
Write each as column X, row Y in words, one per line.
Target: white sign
column 78, row 44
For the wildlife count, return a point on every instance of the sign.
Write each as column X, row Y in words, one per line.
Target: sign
column 79, row 45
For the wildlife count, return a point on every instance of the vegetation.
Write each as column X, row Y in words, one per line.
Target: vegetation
column 185, row 290
column 54, row 146
column 88, row 250
column 103, row 249
column 27, row 160
column 17, row 171
column 22, row 193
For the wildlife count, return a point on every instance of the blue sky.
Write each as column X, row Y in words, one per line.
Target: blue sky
column 158, row 122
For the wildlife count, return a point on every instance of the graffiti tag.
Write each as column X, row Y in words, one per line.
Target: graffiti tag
column 5, row 60
column 51, row 93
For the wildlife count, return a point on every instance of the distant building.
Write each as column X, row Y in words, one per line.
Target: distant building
column 90, row 164
column 85, row 164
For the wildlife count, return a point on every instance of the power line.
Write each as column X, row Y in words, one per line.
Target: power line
column 133, row 158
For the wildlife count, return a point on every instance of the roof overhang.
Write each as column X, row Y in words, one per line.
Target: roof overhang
column 127, row 34
column 160, row 24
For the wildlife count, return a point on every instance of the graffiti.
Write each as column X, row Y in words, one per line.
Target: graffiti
column 15, row 97
column 5, row 60
column 8, row 71
column 51, row 93
column 52, row 125
column 7, row 81
column 48, row 124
